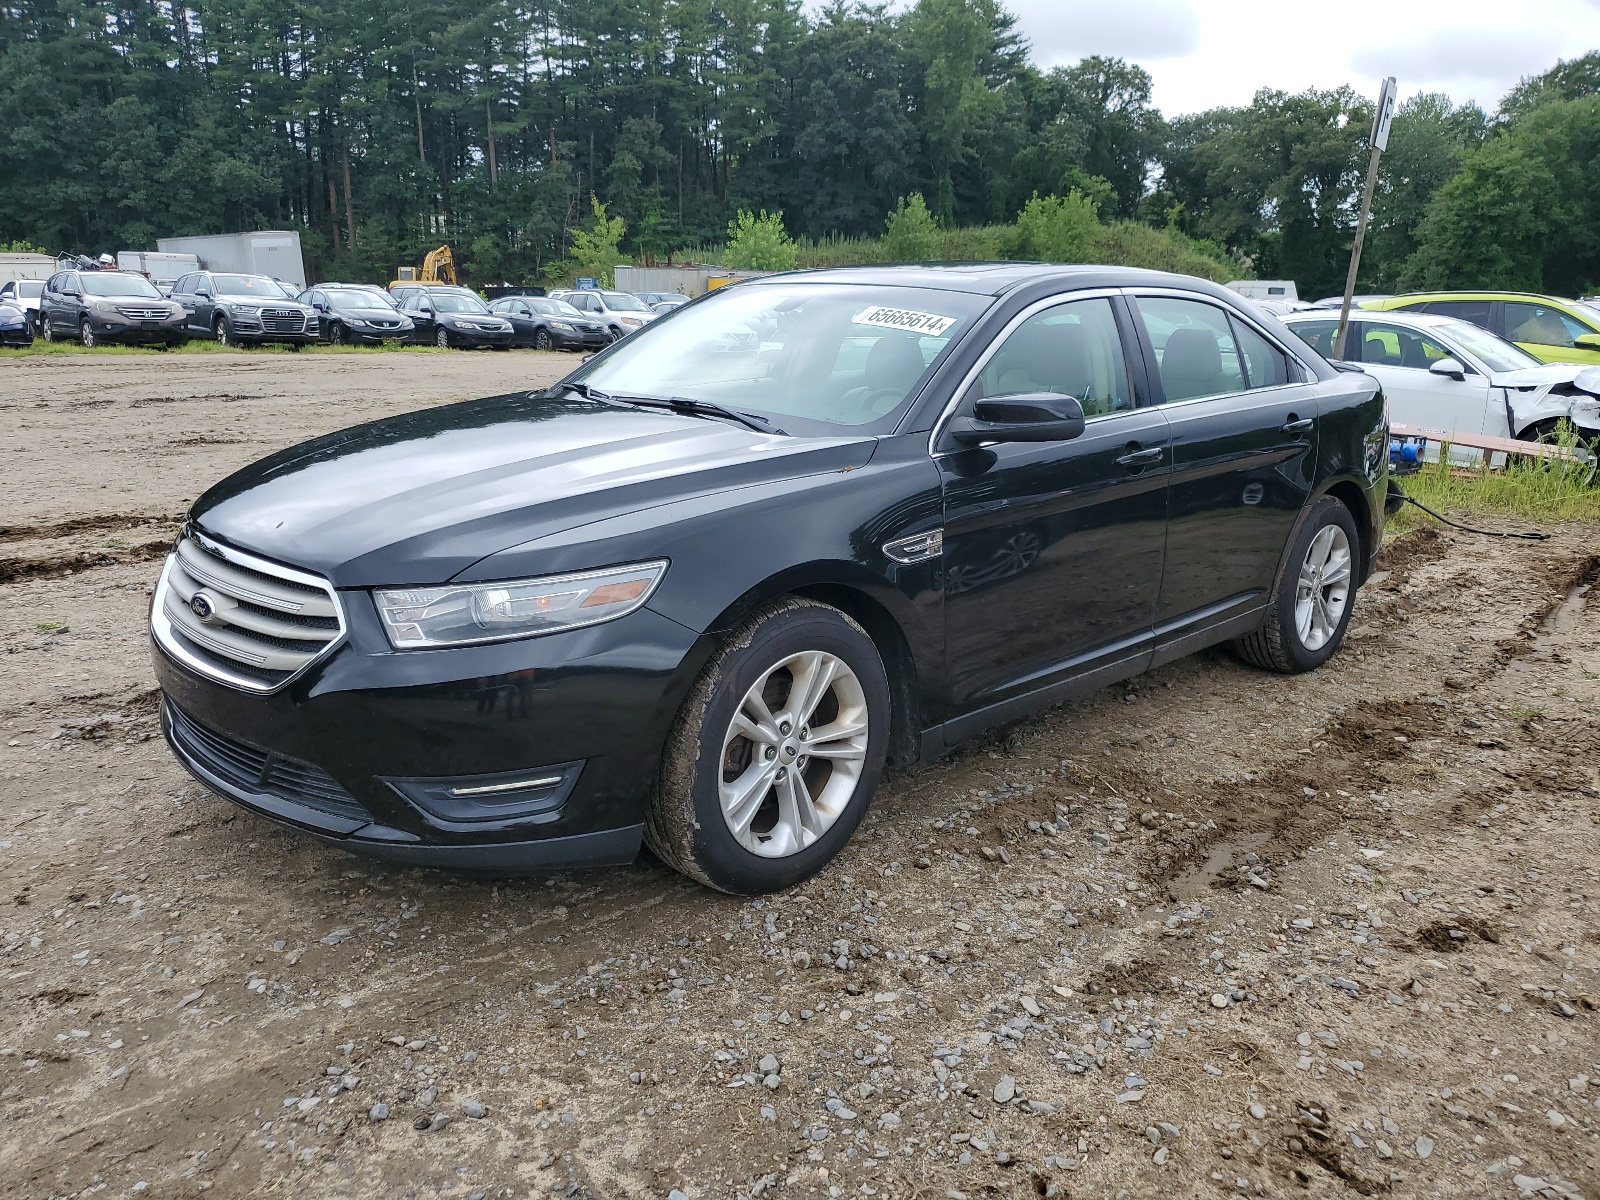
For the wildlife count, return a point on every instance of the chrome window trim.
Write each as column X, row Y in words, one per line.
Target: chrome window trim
column 1133, row 294
column 161, row 628
column 999, row 339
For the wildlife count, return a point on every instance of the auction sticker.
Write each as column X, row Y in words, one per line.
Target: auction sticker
column 925, row 324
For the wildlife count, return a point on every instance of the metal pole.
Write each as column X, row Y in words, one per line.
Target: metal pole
column 1355, row 252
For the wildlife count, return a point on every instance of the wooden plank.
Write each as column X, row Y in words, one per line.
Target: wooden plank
column 1483, row 441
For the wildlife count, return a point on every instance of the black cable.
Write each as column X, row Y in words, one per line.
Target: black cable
column 1526, row 535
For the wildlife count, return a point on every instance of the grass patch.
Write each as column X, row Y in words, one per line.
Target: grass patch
column 42, row 348
column 1534, row 489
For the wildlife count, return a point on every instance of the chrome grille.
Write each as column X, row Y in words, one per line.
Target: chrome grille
column 143, row 314
column 240, row 619
column 282, row 320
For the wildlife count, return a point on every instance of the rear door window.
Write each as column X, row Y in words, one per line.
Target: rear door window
column 1196, row 353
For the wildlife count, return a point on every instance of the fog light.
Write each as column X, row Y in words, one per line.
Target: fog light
column 535, row 794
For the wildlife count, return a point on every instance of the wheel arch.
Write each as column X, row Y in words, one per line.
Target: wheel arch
column 1354, row 497
column 880, row 610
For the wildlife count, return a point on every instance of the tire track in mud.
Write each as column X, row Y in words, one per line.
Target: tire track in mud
column 130, row 538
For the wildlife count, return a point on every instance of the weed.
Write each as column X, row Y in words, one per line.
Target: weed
column 1542, row 489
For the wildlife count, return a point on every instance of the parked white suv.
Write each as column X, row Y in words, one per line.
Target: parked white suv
column 620, row 312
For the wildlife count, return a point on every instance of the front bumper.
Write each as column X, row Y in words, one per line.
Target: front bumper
column 122, row 329
column 471, row 338
column 347, row 751
column 580, row 339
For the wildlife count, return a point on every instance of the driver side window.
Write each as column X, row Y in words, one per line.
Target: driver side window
column 1070, row 349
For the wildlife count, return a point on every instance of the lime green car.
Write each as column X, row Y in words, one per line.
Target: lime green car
column 1550, row 329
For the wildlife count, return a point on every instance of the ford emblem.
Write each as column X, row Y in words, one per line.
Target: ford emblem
column 201, row 606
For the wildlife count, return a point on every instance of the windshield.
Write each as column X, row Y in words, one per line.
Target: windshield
column 357, row 298
column 96, row 283
column 622, row 302
column 553, row 308
column 1496, row 353
column 458, row 302
column 833, row 354
column 257, row 286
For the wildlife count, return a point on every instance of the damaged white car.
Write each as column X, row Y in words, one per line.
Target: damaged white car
column 1442, row 373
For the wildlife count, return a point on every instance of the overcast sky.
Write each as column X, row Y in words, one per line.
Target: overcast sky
column 1205, row 53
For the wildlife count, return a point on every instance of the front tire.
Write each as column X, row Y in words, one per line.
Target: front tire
column 442, row 339
column 86, row 337
column 223, row 332
column 541, row 340
column 776, row 752
column 1312, row 598
column 336, row 334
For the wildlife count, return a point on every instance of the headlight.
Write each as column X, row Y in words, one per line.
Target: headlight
column 633, row 320
column 417, row 618
column 561, row 325
column 247, row 310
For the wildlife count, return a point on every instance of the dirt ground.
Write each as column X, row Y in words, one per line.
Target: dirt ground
column 1212, row 932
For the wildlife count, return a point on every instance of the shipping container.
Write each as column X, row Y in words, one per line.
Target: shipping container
column 26, row 266
column 160, row 269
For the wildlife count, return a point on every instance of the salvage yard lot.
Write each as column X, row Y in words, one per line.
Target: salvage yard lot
column 1214, row 931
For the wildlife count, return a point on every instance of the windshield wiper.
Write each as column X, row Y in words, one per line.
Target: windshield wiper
column 678, row 404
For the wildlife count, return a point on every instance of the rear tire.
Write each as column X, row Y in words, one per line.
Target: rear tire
column 1312, row 596
column 726, row 810
column 47, row 329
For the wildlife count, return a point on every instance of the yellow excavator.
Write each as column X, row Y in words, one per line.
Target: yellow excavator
column 438, row 266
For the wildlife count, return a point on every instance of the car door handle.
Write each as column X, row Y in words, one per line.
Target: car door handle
column 1138, row 458
column 1297, row 424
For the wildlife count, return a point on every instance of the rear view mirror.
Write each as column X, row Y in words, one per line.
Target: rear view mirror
column 1028, row 417
column 1449, row 368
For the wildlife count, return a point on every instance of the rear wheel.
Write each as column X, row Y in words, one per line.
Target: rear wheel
column 776, row 752
column 47, row 329
column 1312, row 598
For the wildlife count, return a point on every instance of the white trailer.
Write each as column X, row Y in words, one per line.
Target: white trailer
column 160, row 269
column 271, row 252
column 26, row 266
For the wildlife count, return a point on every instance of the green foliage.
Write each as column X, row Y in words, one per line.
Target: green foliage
column 1524, row 210
column 759, row 243
column 912, row 233
column 597, row 250
column 21, row 246
column 1057, row 229
column 1532, row 489
column 1132, row 244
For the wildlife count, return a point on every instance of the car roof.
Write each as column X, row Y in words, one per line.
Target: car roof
column 996, row 278
column 1397, row 316
column 1416, row 297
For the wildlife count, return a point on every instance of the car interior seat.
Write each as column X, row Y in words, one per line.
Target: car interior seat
column 1191, row 364
column 893, row 365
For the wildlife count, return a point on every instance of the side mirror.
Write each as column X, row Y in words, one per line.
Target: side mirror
column 1449, row 368
column 1587, row 341
column 1029, row 417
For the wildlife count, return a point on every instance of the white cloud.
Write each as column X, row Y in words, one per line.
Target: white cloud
column 1143, row 31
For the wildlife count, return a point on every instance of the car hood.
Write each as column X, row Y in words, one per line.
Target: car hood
column 419, row 498
column 1544, row 376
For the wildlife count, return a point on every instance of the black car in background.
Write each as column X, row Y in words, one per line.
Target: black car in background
column 548, row 324
column 16, row 323
column 98, row 307
column 243, row 310
column 701, row 591
column 451, row 317
column 357, row 313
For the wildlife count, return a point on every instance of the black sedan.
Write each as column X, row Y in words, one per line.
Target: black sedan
column 356, row 314
column 16, row 324
column 99, row 307
column 452, row 317
column 702, row 591
column 548, row 324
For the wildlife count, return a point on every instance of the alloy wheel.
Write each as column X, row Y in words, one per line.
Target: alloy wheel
column 85, row 333
column 541, row 340
column 336, row 334
column 1323, row 588
column 224, row 332
column 793, row 754
column 442, row 339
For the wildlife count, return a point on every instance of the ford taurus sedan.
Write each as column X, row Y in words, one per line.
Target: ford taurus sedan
column 698, row 594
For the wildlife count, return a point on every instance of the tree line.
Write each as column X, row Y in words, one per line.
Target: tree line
column 380, row 130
